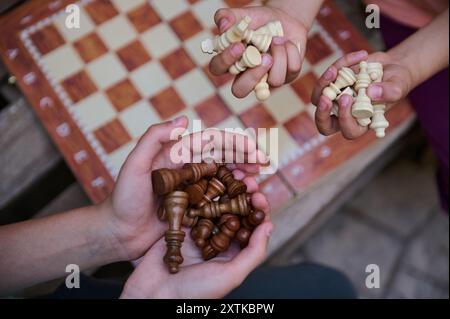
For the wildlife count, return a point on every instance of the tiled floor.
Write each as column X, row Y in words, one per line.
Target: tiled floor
column 396, row 222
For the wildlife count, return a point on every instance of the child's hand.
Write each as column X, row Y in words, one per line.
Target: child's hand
column 131, row 209
column 397, row 83
column 285, row 55
column 198, row 278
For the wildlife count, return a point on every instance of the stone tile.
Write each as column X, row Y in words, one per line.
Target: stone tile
column 401, row 197
column 350, row 246
column 406, row 285
column 429, row 251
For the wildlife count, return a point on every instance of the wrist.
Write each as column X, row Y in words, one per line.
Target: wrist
column 305, row 18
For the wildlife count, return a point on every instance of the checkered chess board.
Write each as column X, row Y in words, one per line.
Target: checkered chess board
column 136, row 62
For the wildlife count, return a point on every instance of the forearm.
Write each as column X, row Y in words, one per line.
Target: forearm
column 305, row 11
column 425, row 52
column 39, row 250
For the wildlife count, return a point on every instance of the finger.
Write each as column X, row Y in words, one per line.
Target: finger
column 222, row 62
column 225, row 18
column 294, row 62
column 387, row 92
column 277, row 74
column 150, row 144
column 325, row 80
column 351, row 59
column 246, row 81
column 349, row 126
column 260, row 202
column 325, row 122
column 250, row 182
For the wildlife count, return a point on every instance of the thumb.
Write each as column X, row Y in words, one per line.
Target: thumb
column 252, row 255
column 152, row 141
column 387, row 92
column 225, row 18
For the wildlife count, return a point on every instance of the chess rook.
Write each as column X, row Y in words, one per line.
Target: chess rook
column 232, row 35
column 239, row 205
column 262, row 90
column 221, row 241
column 215, row 188
column 250, row 59
column 166, row 180
column 175, row 204
column 346, row 77
column 234, row 187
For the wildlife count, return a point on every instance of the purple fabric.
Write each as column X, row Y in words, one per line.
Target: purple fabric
column 431, row 103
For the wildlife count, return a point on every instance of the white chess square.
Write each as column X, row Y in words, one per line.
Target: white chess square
column 138, row 117
column 231, row 122
column 193, row 45
column 106, row 71
column 74, row 34
column 194, row 87
column 150, row 78
column 237, row 105
column 204, row 11
column 117, row 32
column 160, row 40
column 284, row 104
column 127, row 5
column 94, row 111
column 169, row 9
column 118, row 157
column 62, row 62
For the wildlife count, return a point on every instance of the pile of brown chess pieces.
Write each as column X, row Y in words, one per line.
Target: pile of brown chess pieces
column 257, row 41
column 208, row 199
column 356, row 86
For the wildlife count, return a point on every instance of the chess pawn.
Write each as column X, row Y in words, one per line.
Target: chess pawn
column 364, row 121
column 363, row 79
column 248, row 224
column 165, row 180
column 250, row 59
column 202, row 231
column 234, row 187
column 175, row 205
column 346, row 77
column 261, row 41
column 240, row 205
column 262, row 90
column 335, row 106
column 232, row 35
column 375, row 70
column 379, row 122
column 362, row 108
column 273, row 28
column 215, row 188
column 186, row 222
column 196, row 191
column 221, row 241
column 208, row 252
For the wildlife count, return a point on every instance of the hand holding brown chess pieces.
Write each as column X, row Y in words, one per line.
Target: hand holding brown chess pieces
column 208, row 199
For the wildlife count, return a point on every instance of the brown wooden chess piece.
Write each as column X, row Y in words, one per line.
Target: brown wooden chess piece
column 187, row 221
column 215, row 188
column 239, row 205
column 165, row 180
column 175, row 205
column 234, row 186
column 202, row 231
column 248, row 224
column 196, row 191
column 209, row 252
column 230, row 224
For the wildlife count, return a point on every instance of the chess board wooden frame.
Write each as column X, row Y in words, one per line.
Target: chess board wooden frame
column 314, row 163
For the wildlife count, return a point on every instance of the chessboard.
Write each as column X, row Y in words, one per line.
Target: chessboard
column 133, row 63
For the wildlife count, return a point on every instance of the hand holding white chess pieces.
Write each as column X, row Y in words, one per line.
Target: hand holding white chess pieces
column 346, row 78
column 250, row 59
column 379, row 122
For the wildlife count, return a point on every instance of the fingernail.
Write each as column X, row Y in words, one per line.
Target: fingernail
column 345, row 100
column 323, row 105
column 329, row 74
column 375, row 91
column 266, row 60
column 223, row 24
column 278, row 40
column 178, row 120
column 237, row 49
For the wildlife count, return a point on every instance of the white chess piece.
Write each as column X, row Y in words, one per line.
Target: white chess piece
column 345, row 78
column 273, row 28
column 262, row 90
column 379, row 122
column 250, row 59
column 362, row 108
column 335, row 107
column 232, row 35
column 261, row 38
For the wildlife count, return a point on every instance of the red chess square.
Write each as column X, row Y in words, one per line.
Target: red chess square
column 47, row 39
column 112, row 136
column 90, row 47
column 143, row 17
column 79, row 86
column 317, row 49
column 301, row 127
column 186, row 25
column 218, row 81
column 122, row 95
column 237, row 3
column 212, row 111
column 133, row 55
column 193, row 1
column 304, row 86
column 177, row 63
column 258, row 117
column 101, row 10
column 167, row 103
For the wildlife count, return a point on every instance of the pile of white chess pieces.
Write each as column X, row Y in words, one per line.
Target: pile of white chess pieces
column 258, row 41
column 356, row 86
